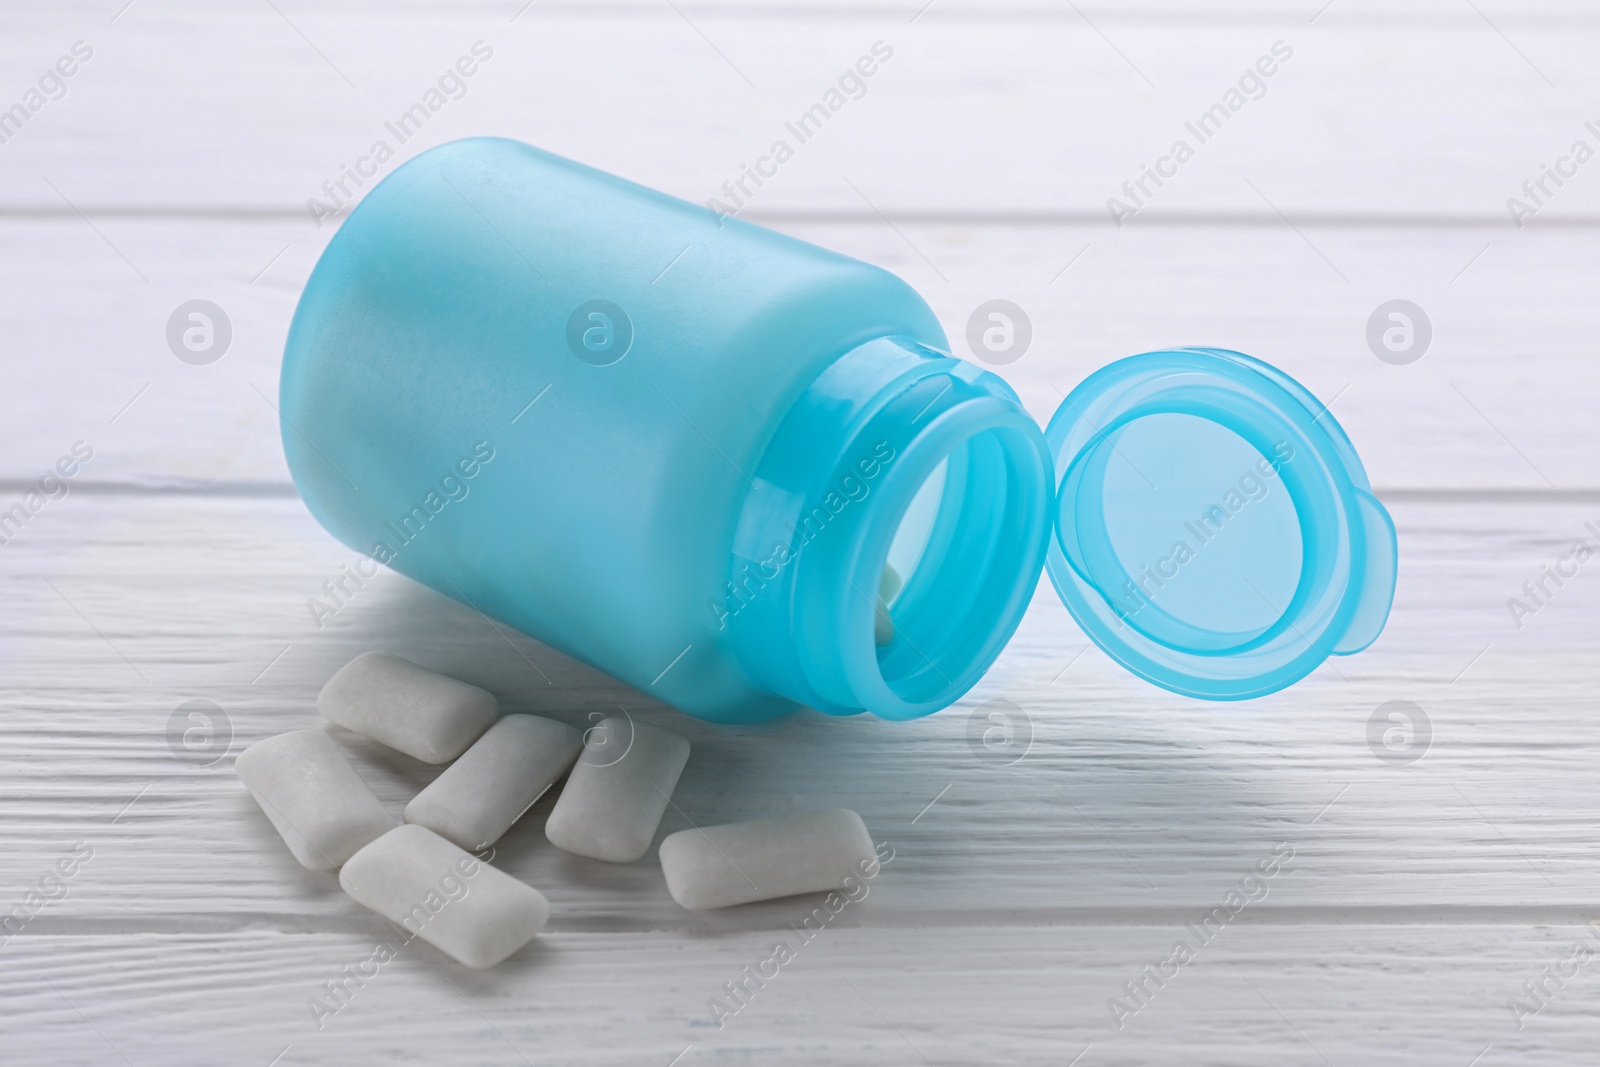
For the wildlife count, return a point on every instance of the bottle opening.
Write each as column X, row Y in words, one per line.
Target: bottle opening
column 905, row 500
column 965, row 539
column 906, row 549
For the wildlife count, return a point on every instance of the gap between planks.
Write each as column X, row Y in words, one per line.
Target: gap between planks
column 710, row 924
column 253, row 490
column 1314, row 219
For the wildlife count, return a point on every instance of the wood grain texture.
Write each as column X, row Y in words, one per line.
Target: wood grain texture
column 1028, row 883
column 1257, row 995
column 1428, row 111
column 1503, row 399
column 1019, row 899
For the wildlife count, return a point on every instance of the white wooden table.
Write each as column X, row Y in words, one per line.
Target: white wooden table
column 1421, row 895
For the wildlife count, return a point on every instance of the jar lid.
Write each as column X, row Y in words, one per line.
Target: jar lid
column 1214, row 529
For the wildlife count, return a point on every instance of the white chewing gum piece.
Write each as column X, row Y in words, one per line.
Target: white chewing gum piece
column 742, row 862
column 480, row 795
column 474, row 913
column 618, row 790
column 322, row 809
column 395, row 702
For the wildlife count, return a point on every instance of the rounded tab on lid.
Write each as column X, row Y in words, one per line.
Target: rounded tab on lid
column 1215, row 532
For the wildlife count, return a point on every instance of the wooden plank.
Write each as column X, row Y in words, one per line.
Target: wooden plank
column 1045, row 111
column 1502, row 399
column 1256, row 994
column 1127, row 798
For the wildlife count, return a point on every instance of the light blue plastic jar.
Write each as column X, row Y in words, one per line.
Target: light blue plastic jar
column 681, row 448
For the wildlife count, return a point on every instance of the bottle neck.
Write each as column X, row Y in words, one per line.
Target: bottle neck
column 830, row 493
